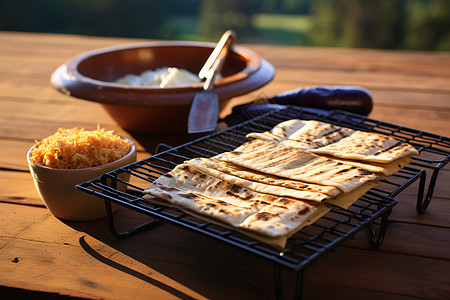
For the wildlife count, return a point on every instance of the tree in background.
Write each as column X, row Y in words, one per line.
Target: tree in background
column 133, row 18
column 428, row 25
column 357, row 23
column 392, row 24
column 285, row 6
column 217, row 16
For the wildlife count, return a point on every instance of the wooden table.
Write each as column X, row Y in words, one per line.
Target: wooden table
column 43, row 256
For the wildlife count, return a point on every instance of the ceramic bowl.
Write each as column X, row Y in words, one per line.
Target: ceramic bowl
column 56, row 188
column 91, row 76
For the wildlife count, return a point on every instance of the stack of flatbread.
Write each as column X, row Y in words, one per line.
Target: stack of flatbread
column 282, row 180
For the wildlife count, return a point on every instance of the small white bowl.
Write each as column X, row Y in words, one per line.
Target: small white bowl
column 56, row 188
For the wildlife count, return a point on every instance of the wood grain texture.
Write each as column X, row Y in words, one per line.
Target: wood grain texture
column 40, row 253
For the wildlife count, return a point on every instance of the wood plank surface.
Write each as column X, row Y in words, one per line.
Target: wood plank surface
column 44, row 257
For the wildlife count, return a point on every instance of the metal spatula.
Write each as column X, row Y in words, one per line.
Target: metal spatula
column 204, row 110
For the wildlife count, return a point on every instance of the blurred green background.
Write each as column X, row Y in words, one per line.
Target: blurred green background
column 386, row 24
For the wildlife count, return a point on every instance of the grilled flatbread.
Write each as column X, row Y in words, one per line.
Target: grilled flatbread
column 332, row 140
column 273, row 185
column 367, row 146
column 267, row 218
column 276, row 241
column 280, row 132
column 194, row 190
column 304, row 134
column 286, row 128
column 345, row 200
column 315, row 134
column 283, row 180
column 280, row 218
column 296, row 164
column 264, row 183
column 381, row 169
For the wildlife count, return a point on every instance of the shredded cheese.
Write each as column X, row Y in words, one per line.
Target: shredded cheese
column 76, row 148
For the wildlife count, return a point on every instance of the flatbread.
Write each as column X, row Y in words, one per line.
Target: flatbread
column 278, row 186
column 196, row 191
column 297, row 164
column 283, row 180
column 188, row 184
column 304, row 134
column 315, row 134
column 268, row 219
column 277, row 241
column 280, row 132
column 245, row 173
column 345, row 200
column 340, row 142
column 280, row 218
column 264, row 183
column 368, row 146
column 382, row 170
column 286, row 128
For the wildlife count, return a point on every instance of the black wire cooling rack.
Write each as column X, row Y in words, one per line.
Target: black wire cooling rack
column 125, row 186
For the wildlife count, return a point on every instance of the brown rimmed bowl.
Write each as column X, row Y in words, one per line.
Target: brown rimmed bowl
column 91, row 76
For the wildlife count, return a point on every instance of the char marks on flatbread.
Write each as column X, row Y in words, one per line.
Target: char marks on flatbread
column 316, row 134
column 191, row 189
column 332, row 140
column 304, row 134
column 381, row 169
column 296, row 164
column 264, row 183
column 280, row 132
column 368, row 146
column 283, row 180
column 280, row 218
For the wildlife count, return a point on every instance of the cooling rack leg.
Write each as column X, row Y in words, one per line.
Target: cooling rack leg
column 298, row 293
column 120, row 235
column 299, row 285
column 278, row 287
column 422, row 204
column 377, row 235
